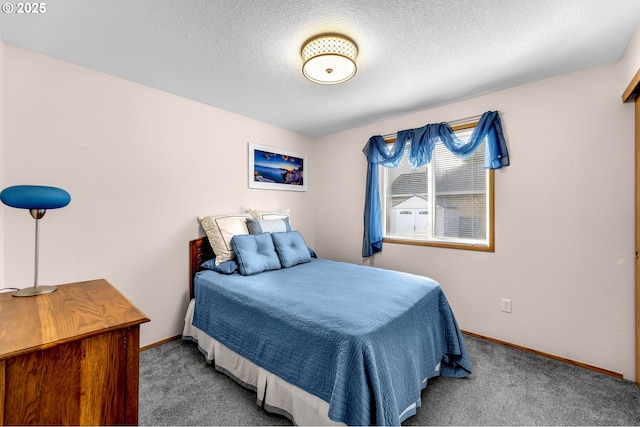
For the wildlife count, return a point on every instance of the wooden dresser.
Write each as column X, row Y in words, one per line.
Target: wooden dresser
column 70, row 357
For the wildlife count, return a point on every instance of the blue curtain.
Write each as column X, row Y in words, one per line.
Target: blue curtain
column 423, row 141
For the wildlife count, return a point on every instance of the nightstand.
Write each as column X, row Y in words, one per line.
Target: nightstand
column 70, row 357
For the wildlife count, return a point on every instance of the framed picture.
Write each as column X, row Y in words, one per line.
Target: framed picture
column 276, row 169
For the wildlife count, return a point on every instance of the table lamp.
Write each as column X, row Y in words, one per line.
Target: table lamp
column 37, row 199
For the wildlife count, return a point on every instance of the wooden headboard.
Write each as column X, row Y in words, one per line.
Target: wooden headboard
column 199, row 252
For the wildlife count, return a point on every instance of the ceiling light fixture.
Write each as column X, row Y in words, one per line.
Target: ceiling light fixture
column 329, row 59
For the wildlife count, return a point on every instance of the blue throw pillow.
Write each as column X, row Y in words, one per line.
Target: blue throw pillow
column 312, row 253
column 254, row 253
column 227, row 267
column 291, row 248
column 258, row 226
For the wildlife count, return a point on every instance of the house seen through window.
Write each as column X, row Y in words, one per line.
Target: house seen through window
column 448, row 202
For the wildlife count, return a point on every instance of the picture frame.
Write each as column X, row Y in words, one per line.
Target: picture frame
column 273, row 168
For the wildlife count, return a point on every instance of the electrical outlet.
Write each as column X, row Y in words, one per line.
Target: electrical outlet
column 506, row 305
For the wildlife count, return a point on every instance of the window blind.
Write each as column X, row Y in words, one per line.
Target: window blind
column 443, row 200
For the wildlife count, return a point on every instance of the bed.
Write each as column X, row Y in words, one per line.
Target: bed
column 325, row 342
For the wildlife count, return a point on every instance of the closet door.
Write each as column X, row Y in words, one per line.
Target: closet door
column 631, row 95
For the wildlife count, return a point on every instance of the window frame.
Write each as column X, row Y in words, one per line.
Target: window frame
column 490, row 247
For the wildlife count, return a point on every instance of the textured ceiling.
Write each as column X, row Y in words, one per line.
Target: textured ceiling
column 244, row 55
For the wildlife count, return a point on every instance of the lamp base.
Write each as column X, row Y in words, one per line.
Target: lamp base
column 34, row 290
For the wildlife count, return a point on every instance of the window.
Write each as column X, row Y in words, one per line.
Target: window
column 448, row 202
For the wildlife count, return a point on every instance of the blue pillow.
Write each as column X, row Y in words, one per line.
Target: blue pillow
column 258, row 226
column 255, row 253
column 291, row 248
column 312, row 253
column 227, row 267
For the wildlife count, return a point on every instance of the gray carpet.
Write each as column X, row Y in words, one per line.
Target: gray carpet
column 507, row 387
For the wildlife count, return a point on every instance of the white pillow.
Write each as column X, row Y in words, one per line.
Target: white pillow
column 258, row 214
column 258, row 226
column 220, row 230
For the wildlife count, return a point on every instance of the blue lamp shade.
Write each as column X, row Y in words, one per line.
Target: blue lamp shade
column 35, row 197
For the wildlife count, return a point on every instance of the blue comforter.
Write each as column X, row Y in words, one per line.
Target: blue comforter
column 363, row 339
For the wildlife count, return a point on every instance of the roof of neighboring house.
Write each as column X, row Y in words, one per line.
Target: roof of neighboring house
column 415, row 202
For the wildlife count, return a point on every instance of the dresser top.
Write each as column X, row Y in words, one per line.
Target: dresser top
column 74, row 311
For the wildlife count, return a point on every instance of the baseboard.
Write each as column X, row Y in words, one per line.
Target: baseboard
column 164, row 341
column 550, row 356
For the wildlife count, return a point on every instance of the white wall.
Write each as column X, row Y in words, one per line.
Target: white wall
column 140, row 165
column 564, row 219
column 630, row 62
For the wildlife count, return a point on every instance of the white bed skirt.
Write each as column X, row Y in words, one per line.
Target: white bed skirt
column 275, row 394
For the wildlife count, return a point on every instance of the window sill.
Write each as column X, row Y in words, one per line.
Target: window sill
column 468, row 247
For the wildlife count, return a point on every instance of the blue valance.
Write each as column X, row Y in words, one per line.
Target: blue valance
column 423, row 141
